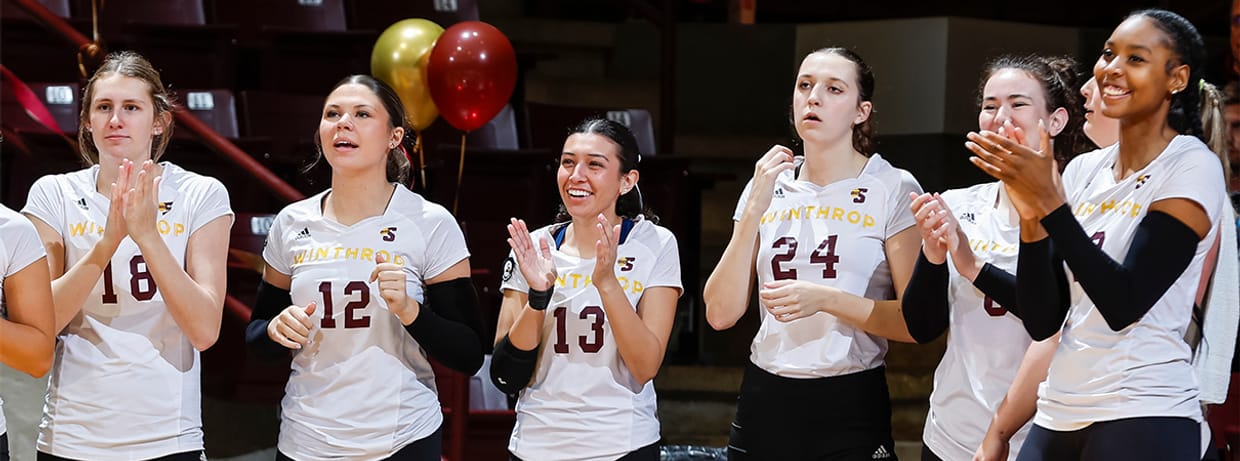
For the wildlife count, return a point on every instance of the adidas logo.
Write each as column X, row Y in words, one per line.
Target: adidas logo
column 881, row 453
column 81, row 203
column 304, row 234
column 779, row 192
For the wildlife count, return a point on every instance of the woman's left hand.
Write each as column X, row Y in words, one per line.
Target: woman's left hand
column 391, row 278
column 790, row 300
column 605, row 254
column 1031, row 177
column 141, row 203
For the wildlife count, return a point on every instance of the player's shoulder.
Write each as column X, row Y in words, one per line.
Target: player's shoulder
column 963, row 196
column 1188, row 150
column 60, row 183
column 649, row 233
column 411, row 205
column 878, row 171
column 188, row 181
column 304, row 210
column 12, row 221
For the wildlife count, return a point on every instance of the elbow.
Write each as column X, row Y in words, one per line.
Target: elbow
column 718, row 321
column 718, row 315
column 644, row 376
column 471, row 365
column 40, row 367
column 907, row 337
column 921, row 337
column 205, row 339
column 1118, row 324
column 39, row 364
column 1121, row 314
column 1040, row 332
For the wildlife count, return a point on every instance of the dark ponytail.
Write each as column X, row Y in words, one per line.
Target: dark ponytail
column 1185, row 113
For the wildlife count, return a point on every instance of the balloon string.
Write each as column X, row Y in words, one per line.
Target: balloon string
column 417, row 148
column 460, row 175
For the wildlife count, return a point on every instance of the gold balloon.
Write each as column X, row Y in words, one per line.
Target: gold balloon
column 399, row 59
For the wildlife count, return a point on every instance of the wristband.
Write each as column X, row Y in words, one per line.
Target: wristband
column 540, row 299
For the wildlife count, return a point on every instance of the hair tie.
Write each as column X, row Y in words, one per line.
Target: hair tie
column 1201, row 84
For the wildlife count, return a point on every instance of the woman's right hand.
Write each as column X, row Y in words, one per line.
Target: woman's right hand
column 292, row 327
column 115, row 230
column 937, row 226
column 537, row 265
column 993, row 448
column 775, row 161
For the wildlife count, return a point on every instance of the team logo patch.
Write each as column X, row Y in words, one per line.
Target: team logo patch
column 626, row 263
column 968, row 216
column 388, row 233
column 858, row 194
column 509, row 265
column 304, row 234
column 1141, row 180
column 81, row 203
column 165, row 207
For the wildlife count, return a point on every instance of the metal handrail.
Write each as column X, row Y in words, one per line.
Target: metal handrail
column 187, row 120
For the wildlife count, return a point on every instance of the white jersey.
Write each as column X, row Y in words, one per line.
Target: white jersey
column 125, row 383
column 362, row 389
column 583, row 403
column 1143, row 370
column 20, row 247
column 832, row 235
column 985, row 343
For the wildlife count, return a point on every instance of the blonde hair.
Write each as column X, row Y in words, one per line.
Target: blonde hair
column 1213, row 126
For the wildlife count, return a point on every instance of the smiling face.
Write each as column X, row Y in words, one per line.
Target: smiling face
column 1013, row 95
column 1102, row 130
column 826, row 100
column 356, row 133
column 123, row 119
column 590, row 178
column 1137, row 72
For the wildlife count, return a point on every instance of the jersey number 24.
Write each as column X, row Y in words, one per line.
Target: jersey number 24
column 824, row 254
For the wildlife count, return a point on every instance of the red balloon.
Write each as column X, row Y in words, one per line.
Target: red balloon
column 471, row 74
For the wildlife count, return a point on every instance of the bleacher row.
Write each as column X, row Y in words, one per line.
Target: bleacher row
column 276, row 128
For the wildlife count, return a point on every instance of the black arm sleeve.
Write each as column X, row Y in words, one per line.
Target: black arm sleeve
column 511, row 368
column 269, row 302
column 1041, row 288
column 449, row 325
column 1000, row 286
column 1161, row 250
column 924, row 305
